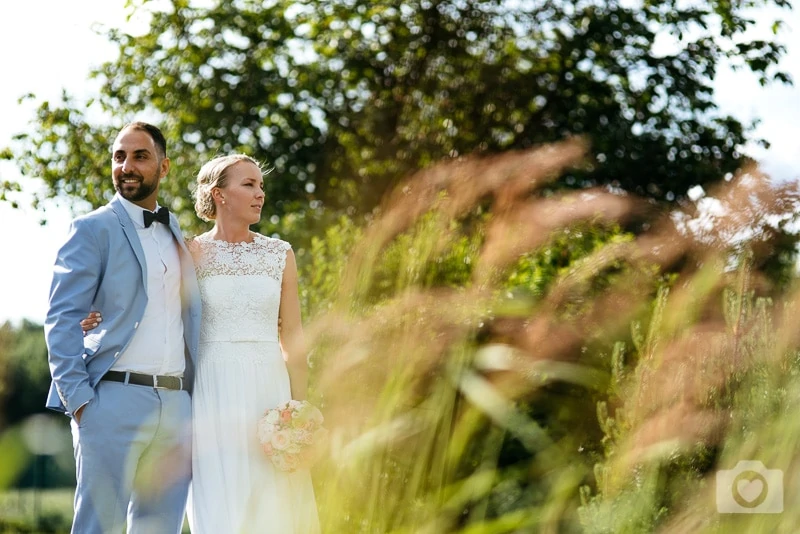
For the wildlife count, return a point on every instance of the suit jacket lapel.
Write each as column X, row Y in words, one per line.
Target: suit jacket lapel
column 129, row 229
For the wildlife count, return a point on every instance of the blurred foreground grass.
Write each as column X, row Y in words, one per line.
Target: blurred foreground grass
column 494, row 356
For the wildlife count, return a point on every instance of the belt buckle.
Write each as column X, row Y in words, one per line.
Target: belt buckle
column 156, row 386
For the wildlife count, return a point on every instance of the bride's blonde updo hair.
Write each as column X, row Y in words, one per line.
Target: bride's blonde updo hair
column 215, row 174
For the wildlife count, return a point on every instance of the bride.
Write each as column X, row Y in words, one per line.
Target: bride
column 246, row 364
column 248, row 286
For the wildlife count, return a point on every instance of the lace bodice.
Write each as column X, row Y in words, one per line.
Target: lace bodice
column 240, row 287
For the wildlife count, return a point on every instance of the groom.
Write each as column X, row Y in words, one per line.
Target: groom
column 126, row 384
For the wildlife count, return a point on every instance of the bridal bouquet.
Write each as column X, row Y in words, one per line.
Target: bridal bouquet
column 292, row 434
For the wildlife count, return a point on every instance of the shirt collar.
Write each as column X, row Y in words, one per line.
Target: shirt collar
column 134, row 211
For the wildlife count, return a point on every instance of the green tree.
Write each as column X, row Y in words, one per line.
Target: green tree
column 427, row 80
column 346, row 97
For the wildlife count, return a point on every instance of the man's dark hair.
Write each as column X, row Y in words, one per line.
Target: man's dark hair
column 155, row 133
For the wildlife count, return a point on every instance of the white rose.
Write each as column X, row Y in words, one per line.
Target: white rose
column 281, row 440
column 273, row 416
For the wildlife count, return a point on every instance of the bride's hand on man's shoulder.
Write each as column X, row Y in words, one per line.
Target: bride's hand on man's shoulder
column 192, row 245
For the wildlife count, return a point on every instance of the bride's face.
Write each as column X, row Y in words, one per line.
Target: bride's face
column 243, row 196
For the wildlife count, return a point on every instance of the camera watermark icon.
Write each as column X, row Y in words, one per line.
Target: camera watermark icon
column 750, row 488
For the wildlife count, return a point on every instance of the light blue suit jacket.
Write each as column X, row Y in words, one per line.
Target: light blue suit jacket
column 101, row 266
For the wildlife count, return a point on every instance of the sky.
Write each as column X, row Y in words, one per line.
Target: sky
column 49, row 45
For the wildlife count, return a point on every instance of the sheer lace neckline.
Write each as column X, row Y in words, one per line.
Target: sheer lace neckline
column 206, row 238
column 262, row 256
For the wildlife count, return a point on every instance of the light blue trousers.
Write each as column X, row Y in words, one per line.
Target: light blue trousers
column 133, row 460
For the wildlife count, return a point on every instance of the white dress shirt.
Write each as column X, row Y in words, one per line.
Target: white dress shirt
column 157, row 347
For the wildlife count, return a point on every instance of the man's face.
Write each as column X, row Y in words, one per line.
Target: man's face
column 136, row 167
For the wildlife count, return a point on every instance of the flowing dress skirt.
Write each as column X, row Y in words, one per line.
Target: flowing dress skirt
column 235, row 488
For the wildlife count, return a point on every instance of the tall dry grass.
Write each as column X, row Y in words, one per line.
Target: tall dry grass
column 605, row 401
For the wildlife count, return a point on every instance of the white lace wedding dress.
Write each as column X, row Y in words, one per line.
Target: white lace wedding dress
column 240, row 373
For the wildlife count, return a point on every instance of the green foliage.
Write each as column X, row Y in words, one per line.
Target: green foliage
column 433, row 253
column 538, row 270
column 15, row 456
column 28, row 374
column 439, row 253
column 321, row 272
column 26, row 423
column 345, row 98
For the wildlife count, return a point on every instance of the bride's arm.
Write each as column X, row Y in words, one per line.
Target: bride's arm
column 291, row 330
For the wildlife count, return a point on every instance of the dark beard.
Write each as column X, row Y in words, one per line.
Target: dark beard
column 143, row 190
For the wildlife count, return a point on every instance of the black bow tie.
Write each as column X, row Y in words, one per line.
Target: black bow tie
column 162, row 216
